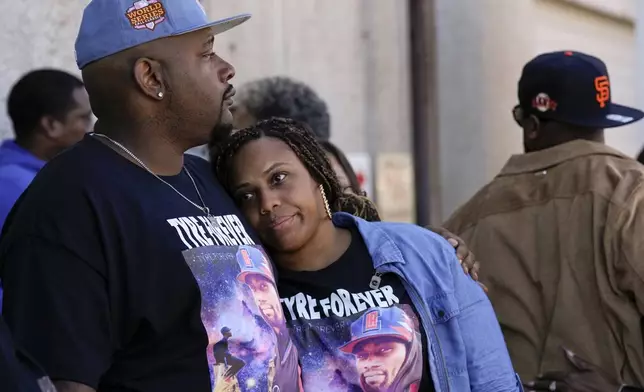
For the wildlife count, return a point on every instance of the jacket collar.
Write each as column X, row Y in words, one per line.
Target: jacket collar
column 381, row 246
column 553, row 156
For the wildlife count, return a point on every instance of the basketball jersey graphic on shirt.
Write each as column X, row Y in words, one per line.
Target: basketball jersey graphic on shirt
column 249, row 347
column 363, row 341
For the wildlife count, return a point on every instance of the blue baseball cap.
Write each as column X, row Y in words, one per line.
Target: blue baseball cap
column 391, row 323
column 111, row 26
column 572, row 88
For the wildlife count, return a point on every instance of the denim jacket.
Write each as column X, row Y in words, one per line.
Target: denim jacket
column 466, row 349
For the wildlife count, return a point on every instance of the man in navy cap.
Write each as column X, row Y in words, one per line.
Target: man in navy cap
column 559, row 231
column 98, row 284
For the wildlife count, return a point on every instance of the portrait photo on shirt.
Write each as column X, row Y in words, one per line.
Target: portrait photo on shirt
column 369, row 341
column 249, row 348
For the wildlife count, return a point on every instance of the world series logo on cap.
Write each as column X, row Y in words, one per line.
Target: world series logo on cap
column 146, row 14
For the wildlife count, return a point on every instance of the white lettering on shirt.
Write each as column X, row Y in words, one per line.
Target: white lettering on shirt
column 340, row 303
column 195, row 232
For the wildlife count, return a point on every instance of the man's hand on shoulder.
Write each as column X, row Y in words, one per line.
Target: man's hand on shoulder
column 463, row 253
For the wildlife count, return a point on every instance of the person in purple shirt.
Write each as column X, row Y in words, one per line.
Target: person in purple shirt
column 50, row 111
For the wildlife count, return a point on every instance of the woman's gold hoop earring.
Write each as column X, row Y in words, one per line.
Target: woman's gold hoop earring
column 326, row 202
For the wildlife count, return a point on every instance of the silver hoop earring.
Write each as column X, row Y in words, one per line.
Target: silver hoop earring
column 326, row 202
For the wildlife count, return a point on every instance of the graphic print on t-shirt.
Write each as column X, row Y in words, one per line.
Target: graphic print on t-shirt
column 365, row 341
column 249, row 348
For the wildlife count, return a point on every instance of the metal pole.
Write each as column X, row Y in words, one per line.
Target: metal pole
column 424, row 111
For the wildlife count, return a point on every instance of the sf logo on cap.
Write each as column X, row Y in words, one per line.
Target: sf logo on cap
column 602, row 85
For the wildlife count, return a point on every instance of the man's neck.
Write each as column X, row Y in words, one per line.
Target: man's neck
column 322, row 250
column 37, row 149
column 159, row 153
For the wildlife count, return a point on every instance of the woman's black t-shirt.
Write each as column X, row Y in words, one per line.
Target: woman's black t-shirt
column 350, row 334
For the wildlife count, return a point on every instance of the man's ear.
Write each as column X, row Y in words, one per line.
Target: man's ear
column 52, row 127
column 149, row 77
column 531, row 127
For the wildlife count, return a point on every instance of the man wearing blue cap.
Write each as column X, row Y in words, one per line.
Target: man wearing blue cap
column 559, row 231
column 98, row 284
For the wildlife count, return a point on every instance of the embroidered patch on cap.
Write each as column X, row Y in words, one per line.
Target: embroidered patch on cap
column 542, row 102
column 372, row 321
column 146, row 14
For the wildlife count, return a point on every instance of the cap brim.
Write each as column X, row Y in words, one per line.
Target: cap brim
column 622, row 115
column 243, row 275
column 619, row 116
column 348, row 348
column 219, row 26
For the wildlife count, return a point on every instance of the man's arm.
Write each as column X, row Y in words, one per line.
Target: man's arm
column 488, row 362
column 68, row 386
column 57, row 308
column 624, row 245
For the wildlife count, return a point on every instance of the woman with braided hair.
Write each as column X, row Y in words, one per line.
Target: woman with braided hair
column 370, row 306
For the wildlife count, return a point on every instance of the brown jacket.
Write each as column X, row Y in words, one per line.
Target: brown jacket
column 560, row 237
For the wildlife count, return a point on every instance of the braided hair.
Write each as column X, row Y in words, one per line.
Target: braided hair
column 301, row 140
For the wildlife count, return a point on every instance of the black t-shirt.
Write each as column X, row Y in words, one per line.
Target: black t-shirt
column 350, row 335
column 18, row 372
column 115, row 281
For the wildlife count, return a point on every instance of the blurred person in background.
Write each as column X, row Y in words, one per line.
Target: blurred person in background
column 559, row 230
column 280, row 96
column 50, row 112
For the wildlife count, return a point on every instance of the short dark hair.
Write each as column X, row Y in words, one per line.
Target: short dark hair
column 39, row 93
column 299, row 137
column 280, row 96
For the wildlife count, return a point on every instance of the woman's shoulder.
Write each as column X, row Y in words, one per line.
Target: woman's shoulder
column 404, row 235
column 402, row 232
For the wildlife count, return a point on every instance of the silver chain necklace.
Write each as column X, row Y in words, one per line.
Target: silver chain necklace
column 202, row 207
